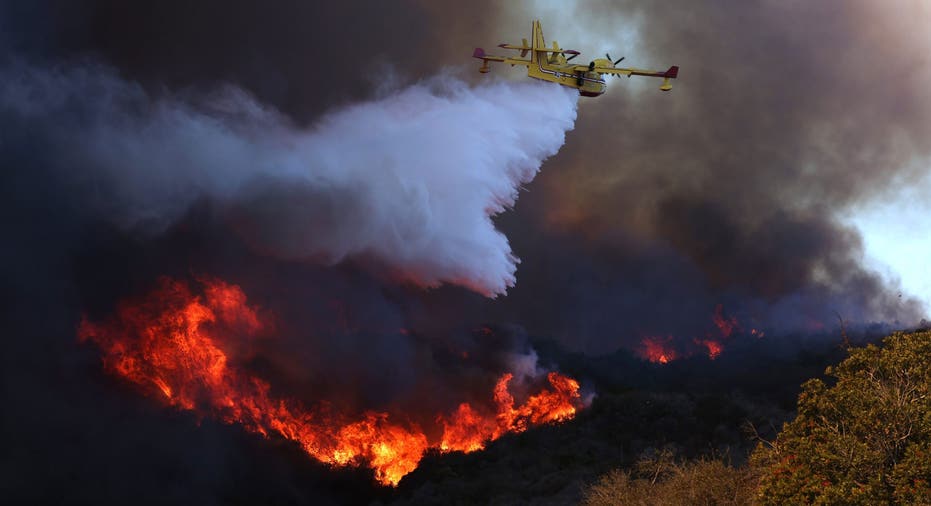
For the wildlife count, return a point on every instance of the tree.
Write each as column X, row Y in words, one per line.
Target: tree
column 864, row 440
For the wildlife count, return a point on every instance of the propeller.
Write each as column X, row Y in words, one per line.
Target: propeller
column 619, row 60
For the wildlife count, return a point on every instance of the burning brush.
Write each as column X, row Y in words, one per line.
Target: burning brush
column 172, row 345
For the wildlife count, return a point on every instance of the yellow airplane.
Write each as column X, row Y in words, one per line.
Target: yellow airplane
column 552, row 65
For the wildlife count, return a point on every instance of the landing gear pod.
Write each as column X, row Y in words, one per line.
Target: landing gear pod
column 672, row 73
column 480, row 53
column 592, row 84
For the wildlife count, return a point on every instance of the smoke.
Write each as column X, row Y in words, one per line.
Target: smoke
column 728, row 188
column 660, row 205
column 409, row 182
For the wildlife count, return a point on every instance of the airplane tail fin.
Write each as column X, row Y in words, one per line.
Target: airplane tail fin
column 538, row 43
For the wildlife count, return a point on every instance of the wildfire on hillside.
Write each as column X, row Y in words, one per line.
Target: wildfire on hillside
column 171, row 344
column 726, row 326
column 658, row 350
column 662, row 350
column 714, row 347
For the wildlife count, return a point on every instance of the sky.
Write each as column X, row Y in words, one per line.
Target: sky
column 897, row 237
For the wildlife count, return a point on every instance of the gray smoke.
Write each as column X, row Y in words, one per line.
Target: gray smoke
column 730, row 188
column 410, row 181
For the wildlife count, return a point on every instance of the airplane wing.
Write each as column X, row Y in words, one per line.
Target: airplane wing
column 524, row 49
column 672, row 73
column 603, row 70
column 481, row 55
column 620, row 71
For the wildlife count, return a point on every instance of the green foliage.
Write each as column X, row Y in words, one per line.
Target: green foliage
column 661, row 481
column 864, row 440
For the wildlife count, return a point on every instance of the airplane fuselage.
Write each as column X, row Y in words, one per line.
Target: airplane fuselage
column 589, row 84
column 551, row 64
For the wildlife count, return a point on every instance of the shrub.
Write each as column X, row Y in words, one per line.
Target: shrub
column 661, row 481
column 864, row 440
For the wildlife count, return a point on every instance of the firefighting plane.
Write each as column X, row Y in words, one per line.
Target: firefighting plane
column 552, row 65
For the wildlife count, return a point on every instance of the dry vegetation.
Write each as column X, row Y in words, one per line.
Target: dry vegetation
column 660, row 480
column 862, row 437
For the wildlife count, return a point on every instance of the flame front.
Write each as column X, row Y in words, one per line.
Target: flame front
column 171, row 345
column 714, row 347
column 658, row 350
column 725, row 325
column 467, row 430
column 662, row 350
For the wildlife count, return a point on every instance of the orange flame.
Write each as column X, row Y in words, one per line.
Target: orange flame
column 725, row 325
column 661, row 350
column 714, row 347
column 467, row 430
column 658, row 350
column 170, row 344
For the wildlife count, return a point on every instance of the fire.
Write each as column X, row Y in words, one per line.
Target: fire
column 662, row 350
column 171, row 345
column 714, row 347
column 658, row 350
column 726, row 326
column 467, row 430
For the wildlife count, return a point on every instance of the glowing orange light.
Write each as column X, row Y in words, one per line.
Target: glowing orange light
column 714, row 348
column 657, row 350
column 725, row 325
column 170, row 344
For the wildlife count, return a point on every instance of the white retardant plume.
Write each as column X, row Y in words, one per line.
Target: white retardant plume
column 410, row 181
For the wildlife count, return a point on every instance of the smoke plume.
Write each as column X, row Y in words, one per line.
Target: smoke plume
column 409, row 182
column 729, row 188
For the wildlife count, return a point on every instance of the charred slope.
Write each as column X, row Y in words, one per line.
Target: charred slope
column 693, row 407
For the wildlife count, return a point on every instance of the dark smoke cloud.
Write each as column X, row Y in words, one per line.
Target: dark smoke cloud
column 729, row 188
column 300, row 57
